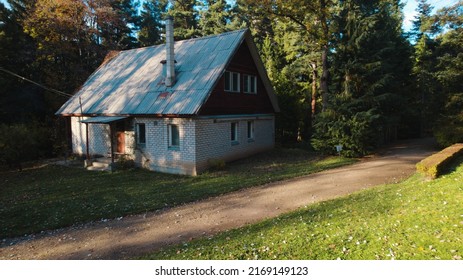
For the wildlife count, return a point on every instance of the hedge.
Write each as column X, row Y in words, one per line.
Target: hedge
column 434, row 165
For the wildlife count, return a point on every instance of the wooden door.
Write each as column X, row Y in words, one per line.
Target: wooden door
column 120, row 135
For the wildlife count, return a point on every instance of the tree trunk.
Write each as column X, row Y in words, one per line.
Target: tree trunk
column 324, row 78
column 314, row 88
column 325, row 49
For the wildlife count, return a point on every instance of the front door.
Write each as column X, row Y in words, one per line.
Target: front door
column 120, row 135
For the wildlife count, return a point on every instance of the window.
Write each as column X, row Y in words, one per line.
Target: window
column 250, row 84
column 234, row 132
column 250, row 130
column 174, row 136
column 232, row 81
column 141, row 133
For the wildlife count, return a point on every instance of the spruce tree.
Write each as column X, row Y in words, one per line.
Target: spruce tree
column 185, row 19
column 151, row 22
column 449, row 74
column 370, row 77
column 215, row 17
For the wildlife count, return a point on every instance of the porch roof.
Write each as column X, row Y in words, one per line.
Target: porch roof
column 103, row 119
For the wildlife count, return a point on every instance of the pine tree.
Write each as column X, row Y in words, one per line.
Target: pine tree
column 427, row 90
column 370, row 77
column 151, row 24
column 421, row 23
column 215, row 17
column 449, row 74
column 185, row 19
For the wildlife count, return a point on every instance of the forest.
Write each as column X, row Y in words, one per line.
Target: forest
column 345, row 72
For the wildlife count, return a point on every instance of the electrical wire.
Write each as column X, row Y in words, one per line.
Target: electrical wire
column 35, row 83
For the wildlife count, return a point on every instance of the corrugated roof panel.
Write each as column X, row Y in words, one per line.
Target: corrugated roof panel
column 184, row 102
column 132, row 103
column 148, row 101
column 206, row 61
column 160, row 103
column 229, row 41
column 211, row 78
column 221, row 59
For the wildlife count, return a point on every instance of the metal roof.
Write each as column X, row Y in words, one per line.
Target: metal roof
column 102, row 119
column 132, row 83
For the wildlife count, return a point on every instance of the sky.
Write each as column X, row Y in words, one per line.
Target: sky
column 411, row 5
column 409, row 9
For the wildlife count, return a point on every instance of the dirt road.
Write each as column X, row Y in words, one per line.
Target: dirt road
column 135, row 235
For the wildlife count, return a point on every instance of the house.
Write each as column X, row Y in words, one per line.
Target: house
column 176, row 107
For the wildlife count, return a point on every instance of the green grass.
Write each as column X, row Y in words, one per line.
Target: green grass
column 415, row 219
column 52, row 197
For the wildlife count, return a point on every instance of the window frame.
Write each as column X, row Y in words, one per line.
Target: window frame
column 139, row 135
column 234, row 133
column 229, row 81
column 250, row 81
column 170, row 139
column 250, row 130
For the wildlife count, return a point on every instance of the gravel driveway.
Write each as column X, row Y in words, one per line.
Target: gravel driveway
column 135, row 235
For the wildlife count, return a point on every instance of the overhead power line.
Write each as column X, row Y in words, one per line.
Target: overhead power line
column 37, row 84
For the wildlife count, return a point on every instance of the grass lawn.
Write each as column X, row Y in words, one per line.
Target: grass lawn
column 415, row 219
column 53, row 197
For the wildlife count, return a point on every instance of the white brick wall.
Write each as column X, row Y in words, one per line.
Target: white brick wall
column 156, row 154
column 200, row 141
column 98, row 138
column 214, row 139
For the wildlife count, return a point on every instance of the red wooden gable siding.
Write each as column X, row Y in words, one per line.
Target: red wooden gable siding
column 221, row 102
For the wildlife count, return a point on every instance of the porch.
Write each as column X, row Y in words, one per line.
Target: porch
column 118, row 137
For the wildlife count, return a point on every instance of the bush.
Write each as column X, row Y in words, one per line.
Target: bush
column 433, row 166
column 449, row 128
column 125, row 163
column 357, row 133
column 20, row 143
column 216, row 164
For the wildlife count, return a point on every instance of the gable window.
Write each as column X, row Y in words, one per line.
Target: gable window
column 250, row 84
column 232, row 81
column 174, row 136
column 234, row 133
column 250, row 130
column 141, row 133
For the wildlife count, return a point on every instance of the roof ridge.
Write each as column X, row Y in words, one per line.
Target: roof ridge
column 191, row 39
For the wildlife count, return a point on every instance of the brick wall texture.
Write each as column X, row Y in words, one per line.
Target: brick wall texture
column 201, row 141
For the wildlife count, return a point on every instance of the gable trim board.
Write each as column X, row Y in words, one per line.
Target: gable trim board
column 128, row 89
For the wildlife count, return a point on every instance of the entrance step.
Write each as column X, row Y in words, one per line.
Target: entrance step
column 100, row 164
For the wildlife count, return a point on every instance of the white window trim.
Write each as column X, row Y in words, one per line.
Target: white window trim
column 250, row 136
column 138, row 138
column 234, row 141
column 230, row 81
column 247, row 89
column 169, row 133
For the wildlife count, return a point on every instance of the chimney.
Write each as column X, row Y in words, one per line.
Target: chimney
column 170, row 56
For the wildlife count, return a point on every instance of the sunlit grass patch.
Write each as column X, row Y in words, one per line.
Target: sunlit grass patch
column 415, row 219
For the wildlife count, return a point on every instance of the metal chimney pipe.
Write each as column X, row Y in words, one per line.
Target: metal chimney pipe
column 170, row 56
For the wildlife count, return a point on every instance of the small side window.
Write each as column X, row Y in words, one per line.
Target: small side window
column 174, row 136
column 141, row 134
column 232, row 81
column 250, row 130
column 250, row 84
column 234, row 132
